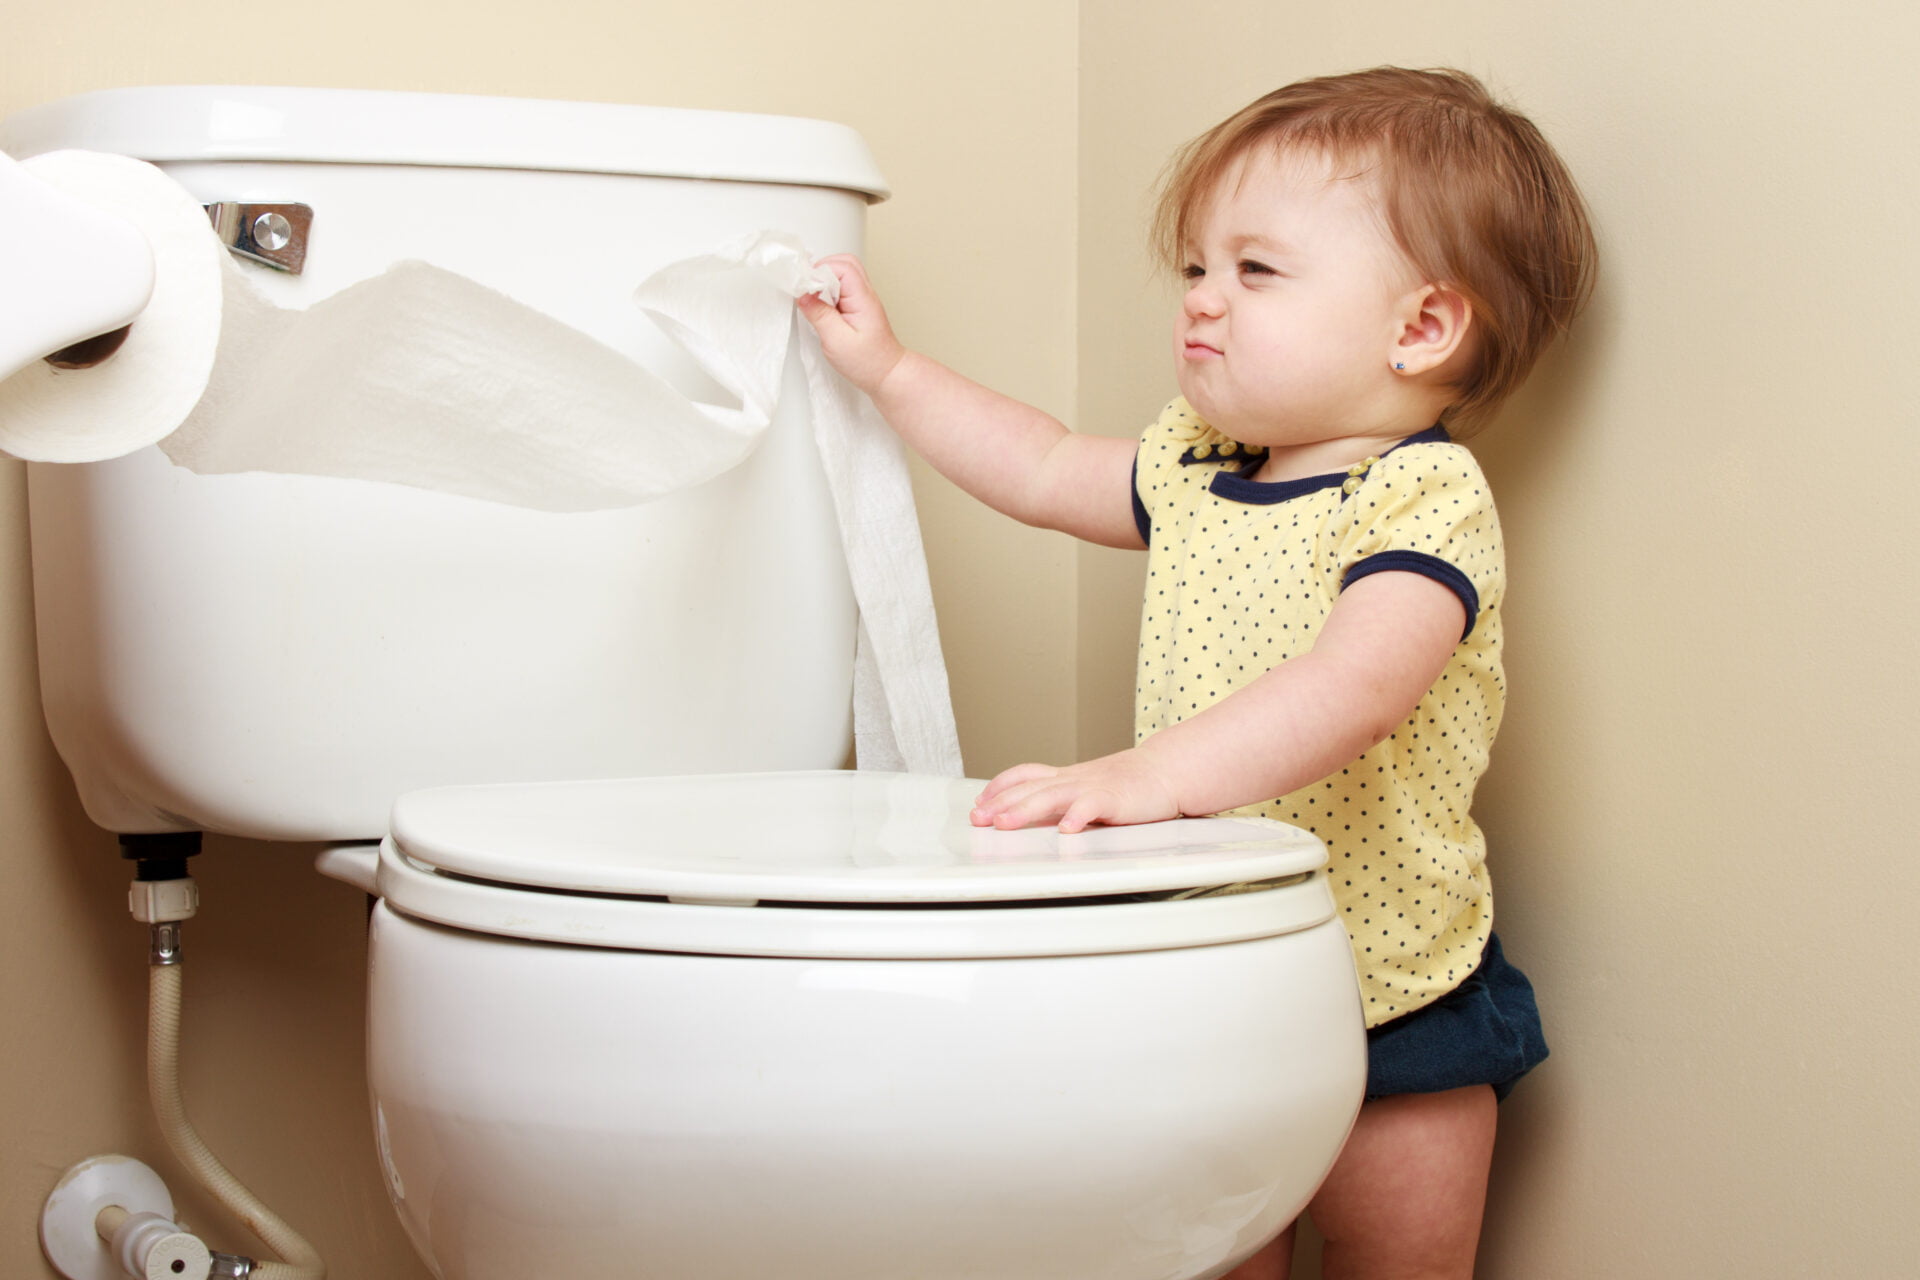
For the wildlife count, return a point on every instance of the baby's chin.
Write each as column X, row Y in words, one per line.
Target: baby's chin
column 1196, row 398
column 1213, row 414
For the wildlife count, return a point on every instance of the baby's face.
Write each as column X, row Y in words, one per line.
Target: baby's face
column 1293, row 310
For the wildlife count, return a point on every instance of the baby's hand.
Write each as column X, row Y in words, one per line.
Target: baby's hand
column 855, row 335
column 1119, row 789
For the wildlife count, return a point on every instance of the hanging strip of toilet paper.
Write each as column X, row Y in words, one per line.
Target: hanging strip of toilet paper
column 903, row 713
column 423, row 377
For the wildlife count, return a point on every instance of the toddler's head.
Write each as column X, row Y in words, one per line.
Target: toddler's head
column 1469, row 191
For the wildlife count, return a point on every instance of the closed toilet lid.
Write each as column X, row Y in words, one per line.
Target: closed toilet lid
column 836, row 863
column 838, row 837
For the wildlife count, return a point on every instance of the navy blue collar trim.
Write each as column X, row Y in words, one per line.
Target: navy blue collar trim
column 1239, row 485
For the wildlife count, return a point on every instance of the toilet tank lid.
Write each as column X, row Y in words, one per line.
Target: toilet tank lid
column 823, row 837
column 359, row 126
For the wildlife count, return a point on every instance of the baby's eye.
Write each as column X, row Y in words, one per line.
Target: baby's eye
column 1192, row 271
column 1252, row 268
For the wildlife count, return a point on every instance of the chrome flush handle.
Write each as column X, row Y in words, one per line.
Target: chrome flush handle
column 273, row 234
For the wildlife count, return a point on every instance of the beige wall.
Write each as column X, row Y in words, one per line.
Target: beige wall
column 1692, row 804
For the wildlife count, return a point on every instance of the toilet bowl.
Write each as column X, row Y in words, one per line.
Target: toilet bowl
column 815, row 1025
column 656, row 990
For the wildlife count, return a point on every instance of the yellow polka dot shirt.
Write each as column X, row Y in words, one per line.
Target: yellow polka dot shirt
column 1241, row 575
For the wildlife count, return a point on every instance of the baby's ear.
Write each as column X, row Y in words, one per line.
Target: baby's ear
column 1436, row 321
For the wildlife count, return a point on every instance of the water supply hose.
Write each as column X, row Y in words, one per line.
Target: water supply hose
column 299, row 1260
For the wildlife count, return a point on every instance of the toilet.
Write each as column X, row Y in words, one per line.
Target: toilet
column 658, row 988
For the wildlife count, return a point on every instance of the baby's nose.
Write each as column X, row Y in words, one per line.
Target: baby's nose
column 1202, row 299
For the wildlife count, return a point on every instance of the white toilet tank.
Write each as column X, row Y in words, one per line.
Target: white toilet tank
column 281, row 656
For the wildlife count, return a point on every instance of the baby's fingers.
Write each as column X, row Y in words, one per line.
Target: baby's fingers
column 854, row 290
column 1033, row 803
column 1060, row 796
column 1008, row 778
column 815, row 308
column 1088, row 808
column 1008, row 799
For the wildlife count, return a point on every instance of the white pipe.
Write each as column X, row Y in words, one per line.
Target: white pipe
column 300, row 1261
column 149, row 1246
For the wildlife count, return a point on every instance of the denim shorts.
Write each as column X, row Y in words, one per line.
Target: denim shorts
column 1484, row 1031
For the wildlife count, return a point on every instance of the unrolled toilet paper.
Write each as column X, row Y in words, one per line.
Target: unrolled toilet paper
column 423, row 377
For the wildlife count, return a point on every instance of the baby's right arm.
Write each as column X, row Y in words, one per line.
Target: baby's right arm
column 1009, row 455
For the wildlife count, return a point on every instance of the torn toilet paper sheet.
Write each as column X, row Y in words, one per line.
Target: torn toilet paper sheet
column 424, row 377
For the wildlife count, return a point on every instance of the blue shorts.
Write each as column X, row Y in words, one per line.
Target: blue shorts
column 1484, row 1031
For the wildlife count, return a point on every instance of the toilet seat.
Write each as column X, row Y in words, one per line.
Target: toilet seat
column 830, row 865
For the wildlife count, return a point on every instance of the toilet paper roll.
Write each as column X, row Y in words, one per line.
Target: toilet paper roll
column 156, row 377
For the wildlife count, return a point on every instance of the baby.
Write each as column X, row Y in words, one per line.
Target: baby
column 1373, row 262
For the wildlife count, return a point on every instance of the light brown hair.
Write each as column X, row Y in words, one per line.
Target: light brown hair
column 1469, row 189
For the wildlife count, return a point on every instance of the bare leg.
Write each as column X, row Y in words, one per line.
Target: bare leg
column 1275, row 1262
column 1405, row 1199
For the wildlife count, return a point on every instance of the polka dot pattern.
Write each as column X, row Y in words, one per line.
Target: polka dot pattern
column 1241, row 577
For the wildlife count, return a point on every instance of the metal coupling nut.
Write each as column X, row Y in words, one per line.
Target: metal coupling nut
column 228, row 1266
column 163, row 943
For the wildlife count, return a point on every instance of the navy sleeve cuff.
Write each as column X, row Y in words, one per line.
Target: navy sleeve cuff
column 1447, row 575
column 1141, row 520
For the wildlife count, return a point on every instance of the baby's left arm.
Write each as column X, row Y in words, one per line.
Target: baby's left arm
column 1386, row 641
